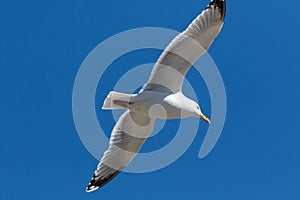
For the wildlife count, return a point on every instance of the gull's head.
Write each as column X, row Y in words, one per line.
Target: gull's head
column 198, row 113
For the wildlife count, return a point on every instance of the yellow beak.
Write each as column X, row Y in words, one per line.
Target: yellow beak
column 205, row 118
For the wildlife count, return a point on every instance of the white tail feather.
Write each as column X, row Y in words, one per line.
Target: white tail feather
column 116, row 96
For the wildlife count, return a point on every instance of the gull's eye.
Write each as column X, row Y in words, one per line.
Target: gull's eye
column 198, row 108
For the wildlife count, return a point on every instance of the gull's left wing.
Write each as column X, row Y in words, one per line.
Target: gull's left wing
column 170, row 69
column 128, row 136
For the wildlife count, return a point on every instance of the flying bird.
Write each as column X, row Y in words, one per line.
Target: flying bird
column 161, row 97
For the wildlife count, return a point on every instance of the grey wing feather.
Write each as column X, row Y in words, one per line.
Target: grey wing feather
column 128, row 135
column 170, row 69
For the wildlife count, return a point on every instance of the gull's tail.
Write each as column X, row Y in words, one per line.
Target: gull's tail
column 116, row 100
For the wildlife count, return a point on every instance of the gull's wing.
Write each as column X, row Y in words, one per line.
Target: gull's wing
column 170, row 69
column 128, row 135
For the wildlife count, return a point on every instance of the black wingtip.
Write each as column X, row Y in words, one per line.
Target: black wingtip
column 221, row 5
column 98, row 183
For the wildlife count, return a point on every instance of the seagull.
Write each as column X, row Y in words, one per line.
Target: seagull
column 161, row 97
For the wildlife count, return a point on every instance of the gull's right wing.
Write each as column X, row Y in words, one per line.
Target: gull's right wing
column 170, row 69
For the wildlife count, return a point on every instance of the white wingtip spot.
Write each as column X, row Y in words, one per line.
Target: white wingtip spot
column 91, row 188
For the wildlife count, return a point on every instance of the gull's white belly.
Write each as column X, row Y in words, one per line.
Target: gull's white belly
column 159, row 105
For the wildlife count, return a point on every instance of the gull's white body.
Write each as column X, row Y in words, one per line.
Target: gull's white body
column 156, row 104
column 160, row 97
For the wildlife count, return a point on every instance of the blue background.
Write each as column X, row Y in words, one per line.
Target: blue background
column 43, row 44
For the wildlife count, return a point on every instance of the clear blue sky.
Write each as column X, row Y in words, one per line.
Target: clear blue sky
column 42, row 45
